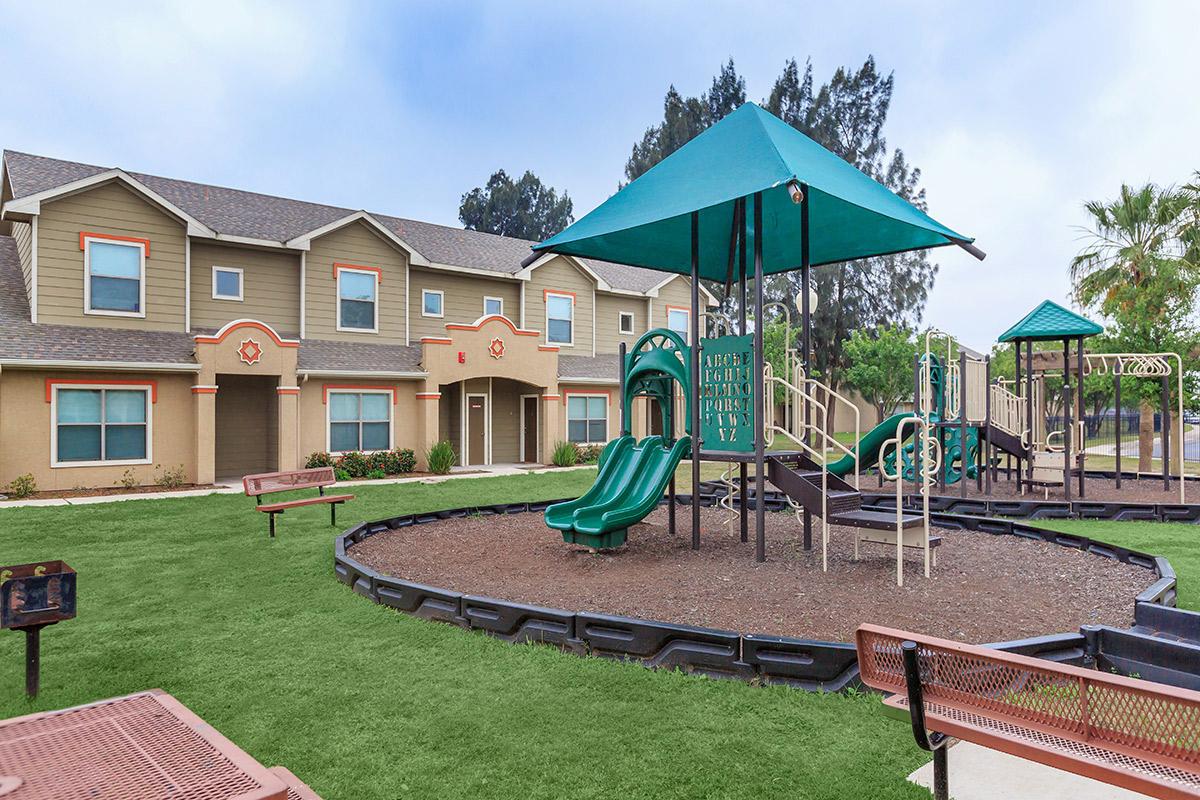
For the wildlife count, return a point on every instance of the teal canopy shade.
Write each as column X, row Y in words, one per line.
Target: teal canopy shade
column 647, row 223
column 1050, row 321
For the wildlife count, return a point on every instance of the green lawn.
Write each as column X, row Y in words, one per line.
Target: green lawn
column 361, row 702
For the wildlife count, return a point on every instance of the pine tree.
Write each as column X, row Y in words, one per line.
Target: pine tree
column 524, row 209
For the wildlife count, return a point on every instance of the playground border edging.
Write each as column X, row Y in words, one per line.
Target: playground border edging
column 812, row 665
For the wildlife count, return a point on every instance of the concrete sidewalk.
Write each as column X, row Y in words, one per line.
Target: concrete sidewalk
column 977, row 773
column 232, row 487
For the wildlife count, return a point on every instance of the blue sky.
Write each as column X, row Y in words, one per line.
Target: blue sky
column 1016, row 113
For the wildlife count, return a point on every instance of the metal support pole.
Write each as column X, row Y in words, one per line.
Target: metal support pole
column 694, row 389
column 1165, row 439
column 1081, row 461
column 987, row 449
column 33, row 659
column 962, row 422
column 670, row 434
column 806, row 335
column 1068, row 399
column 744, row 506
column 1029, row 406
column 1120, row 420
column 1017, row 389
column 760, row 472
column 621, row 396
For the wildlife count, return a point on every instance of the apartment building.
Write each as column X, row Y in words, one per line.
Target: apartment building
column 150, row 322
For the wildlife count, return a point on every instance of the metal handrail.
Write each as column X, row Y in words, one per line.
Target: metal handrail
column 922, row 471
column 829, row 391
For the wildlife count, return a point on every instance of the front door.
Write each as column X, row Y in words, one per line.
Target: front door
column 476, row 429
column 529, row 429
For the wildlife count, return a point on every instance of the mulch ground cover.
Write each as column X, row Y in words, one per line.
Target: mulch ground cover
column 985, row 588
column 1142, row 490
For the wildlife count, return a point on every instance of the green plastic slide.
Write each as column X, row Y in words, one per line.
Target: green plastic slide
column 631, row 481
column 869, row 446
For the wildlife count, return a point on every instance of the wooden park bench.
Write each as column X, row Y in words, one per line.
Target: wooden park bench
column 270, row 482
column 1131, row 733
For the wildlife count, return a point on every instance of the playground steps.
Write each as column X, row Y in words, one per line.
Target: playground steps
column 1006, row 441
column 799, row 478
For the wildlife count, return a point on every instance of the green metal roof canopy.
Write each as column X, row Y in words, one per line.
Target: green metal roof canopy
column 1050, row 321
column 851, row 216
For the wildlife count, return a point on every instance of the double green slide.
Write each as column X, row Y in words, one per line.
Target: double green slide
column 632, row 478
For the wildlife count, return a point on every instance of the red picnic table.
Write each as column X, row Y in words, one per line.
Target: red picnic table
column 143, row 746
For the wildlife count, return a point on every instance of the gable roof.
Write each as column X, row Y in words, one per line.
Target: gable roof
column 1051, row 321
column 236, row 213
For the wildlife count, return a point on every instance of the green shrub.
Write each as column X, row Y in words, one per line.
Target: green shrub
column 171, row 478
column 588, row 453
column 392, row 462
column 354, row 463
column 565, row 454
column 341, row 475
column 376, row 474
column 318, row 459
column 406, row 460
column 22, row 486
column 128, row 479
column 441, row 458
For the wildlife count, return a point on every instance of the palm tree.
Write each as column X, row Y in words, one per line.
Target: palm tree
column 1143, row 237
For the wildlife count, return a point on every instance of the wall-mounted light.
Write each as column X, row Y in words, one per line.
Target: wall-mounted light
column 795, row 191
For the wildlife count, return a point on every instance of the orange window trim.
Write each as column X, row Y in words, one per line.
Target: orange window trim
column 560, row 292
column 340, row 266
column 326, row 387
column 684, row 309
column 85, row 235
column 51, row 383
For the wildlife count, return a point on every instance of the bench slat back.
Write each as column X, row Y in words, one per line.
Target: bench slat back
column 1085, row 705
column 269, row 482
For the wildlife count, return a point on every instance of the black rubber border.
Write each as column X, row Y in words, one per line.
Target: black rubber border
column 759, row 658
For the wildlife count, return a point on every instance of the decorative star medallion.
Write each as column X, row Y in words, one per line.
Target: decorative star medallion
column 496, row 348
column 250, row 352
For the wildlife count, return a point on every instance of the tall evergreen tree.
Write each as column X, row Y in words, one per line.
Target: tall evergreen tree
column 525, row 208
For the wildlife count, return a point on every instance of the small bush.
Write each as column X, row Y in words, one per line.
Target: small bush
column 354, row 463
column 22, row 486
column 341, row 475
column 171, row 478
column 318, row 459
column 565, row 454
column 406, row 460
column 128, row 479
column 441, row 458
column 392, row 462
column 376, row 474
column 588, row 453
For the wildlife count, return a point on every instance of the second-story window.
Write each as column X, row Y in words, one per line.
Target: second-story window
column 677, row 320
column 625, row 322
column 432, row 301
column 358, row 307
column 560, row 318
column 226, row 283
column 493, row 306
column 115, row 280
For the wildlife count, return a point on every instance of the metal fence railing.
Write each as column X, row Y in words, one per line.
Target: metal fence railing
column 1100, row 434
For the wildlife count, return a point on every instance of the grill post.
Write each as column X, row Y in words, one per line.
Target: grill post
column 33, row 660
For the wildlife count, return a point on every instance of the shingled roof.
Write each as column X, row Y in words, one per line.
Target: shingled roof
column 1051, row 321
column 235, row 212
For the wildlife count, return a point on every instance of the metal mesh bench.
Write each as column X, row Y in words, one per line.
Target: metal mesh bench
column 1135, row 734
column 145, row 745
column 271, row 482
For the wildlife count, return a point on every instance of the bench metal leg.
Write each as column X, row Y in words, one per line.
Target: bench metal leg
column 941, row 777
column 333, row 514
column 271, row 514
column 926, row 739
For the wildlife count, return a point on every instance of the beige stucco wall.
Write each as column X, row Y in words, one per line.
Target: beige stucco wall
column 270, row 287
column 608, row 307
column 559, row 275
column 22, row 233
column 115, row 210
column 462, row 299
column 25, row 423
column 356, row 243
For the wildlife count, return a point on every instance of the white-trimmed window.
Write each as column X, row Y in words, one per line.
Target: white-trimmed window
column 433, row 303
column 99, row 424
column 358, row 295
column 678, row 320
column 587, row 418
column 360, row 420
column 560, row 318
column 227, row 283
column 493, row 306
column 625, row 322
column 114, row 277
